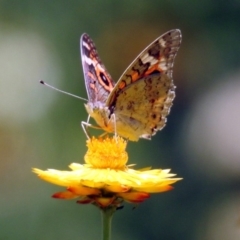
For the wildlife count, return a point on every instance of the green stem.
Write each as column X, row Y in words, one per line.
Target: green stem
column 107, row 214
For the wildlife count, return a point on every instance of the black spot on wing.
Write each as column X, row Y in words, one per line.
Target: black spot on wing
column 104, row 79
column 140, row 67
column 154, row 51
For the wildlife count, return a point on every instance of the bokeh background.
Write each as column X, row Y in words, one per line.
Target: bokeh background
column 41, row 128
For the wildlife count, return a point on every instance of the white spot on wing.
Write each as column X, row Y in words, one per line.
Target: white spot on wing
column 149, row 59
column 162, row 42
column 87, row 60
column 85, row 45
column 163, row 66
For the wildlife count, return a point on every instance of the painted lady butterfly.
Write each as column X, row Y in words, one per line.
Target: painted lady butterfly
column 137, row 105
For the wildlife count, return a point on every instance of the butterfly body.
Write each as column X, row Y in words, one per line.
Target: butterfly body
column 137, row 105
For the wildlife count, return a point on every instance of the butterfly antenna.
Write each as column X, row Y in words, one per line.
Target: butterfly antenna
column 47, row 85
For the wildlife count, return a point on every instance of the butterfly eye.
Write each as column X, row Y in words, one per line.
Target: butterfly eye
column 104, row 78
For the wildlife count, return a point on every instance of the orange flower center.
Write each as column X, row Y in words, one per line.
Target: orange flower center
column 107, row 153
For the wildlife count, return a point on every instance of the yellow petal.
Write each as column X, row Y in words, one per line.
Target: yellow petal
column 83, row 191
column 65, row 195
column 156, row 189
column 85, row 200
column 135, row 197
column 117, row 188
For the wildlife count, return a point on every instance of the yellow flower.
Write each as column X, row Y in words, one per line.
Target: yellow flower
column 105, row 180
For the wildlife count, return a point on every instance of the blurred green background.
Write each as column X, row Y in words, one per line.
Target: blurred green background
column 41, row 128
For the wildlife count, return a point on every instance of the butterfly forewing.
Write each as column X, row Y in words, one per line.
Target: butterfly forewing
column 97, row 80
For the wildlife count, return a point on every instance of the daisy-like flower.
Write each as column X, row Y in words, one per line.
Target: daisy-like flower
column 105, row 180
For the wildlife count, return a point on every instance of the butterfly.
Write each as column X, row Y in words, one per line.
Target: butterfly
column 138, row 104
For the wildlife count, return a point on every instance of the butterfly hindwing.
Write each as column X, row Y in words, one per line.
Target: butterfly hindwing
column 146, row 113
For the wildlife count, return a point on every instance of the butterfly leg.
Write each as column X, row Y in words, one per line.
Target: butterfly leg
column 85, row 126
column 113, row 119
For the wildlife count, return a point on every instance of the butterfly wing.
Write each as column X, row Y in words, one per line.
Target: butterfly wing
column 98, row 81
column 143, row 96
